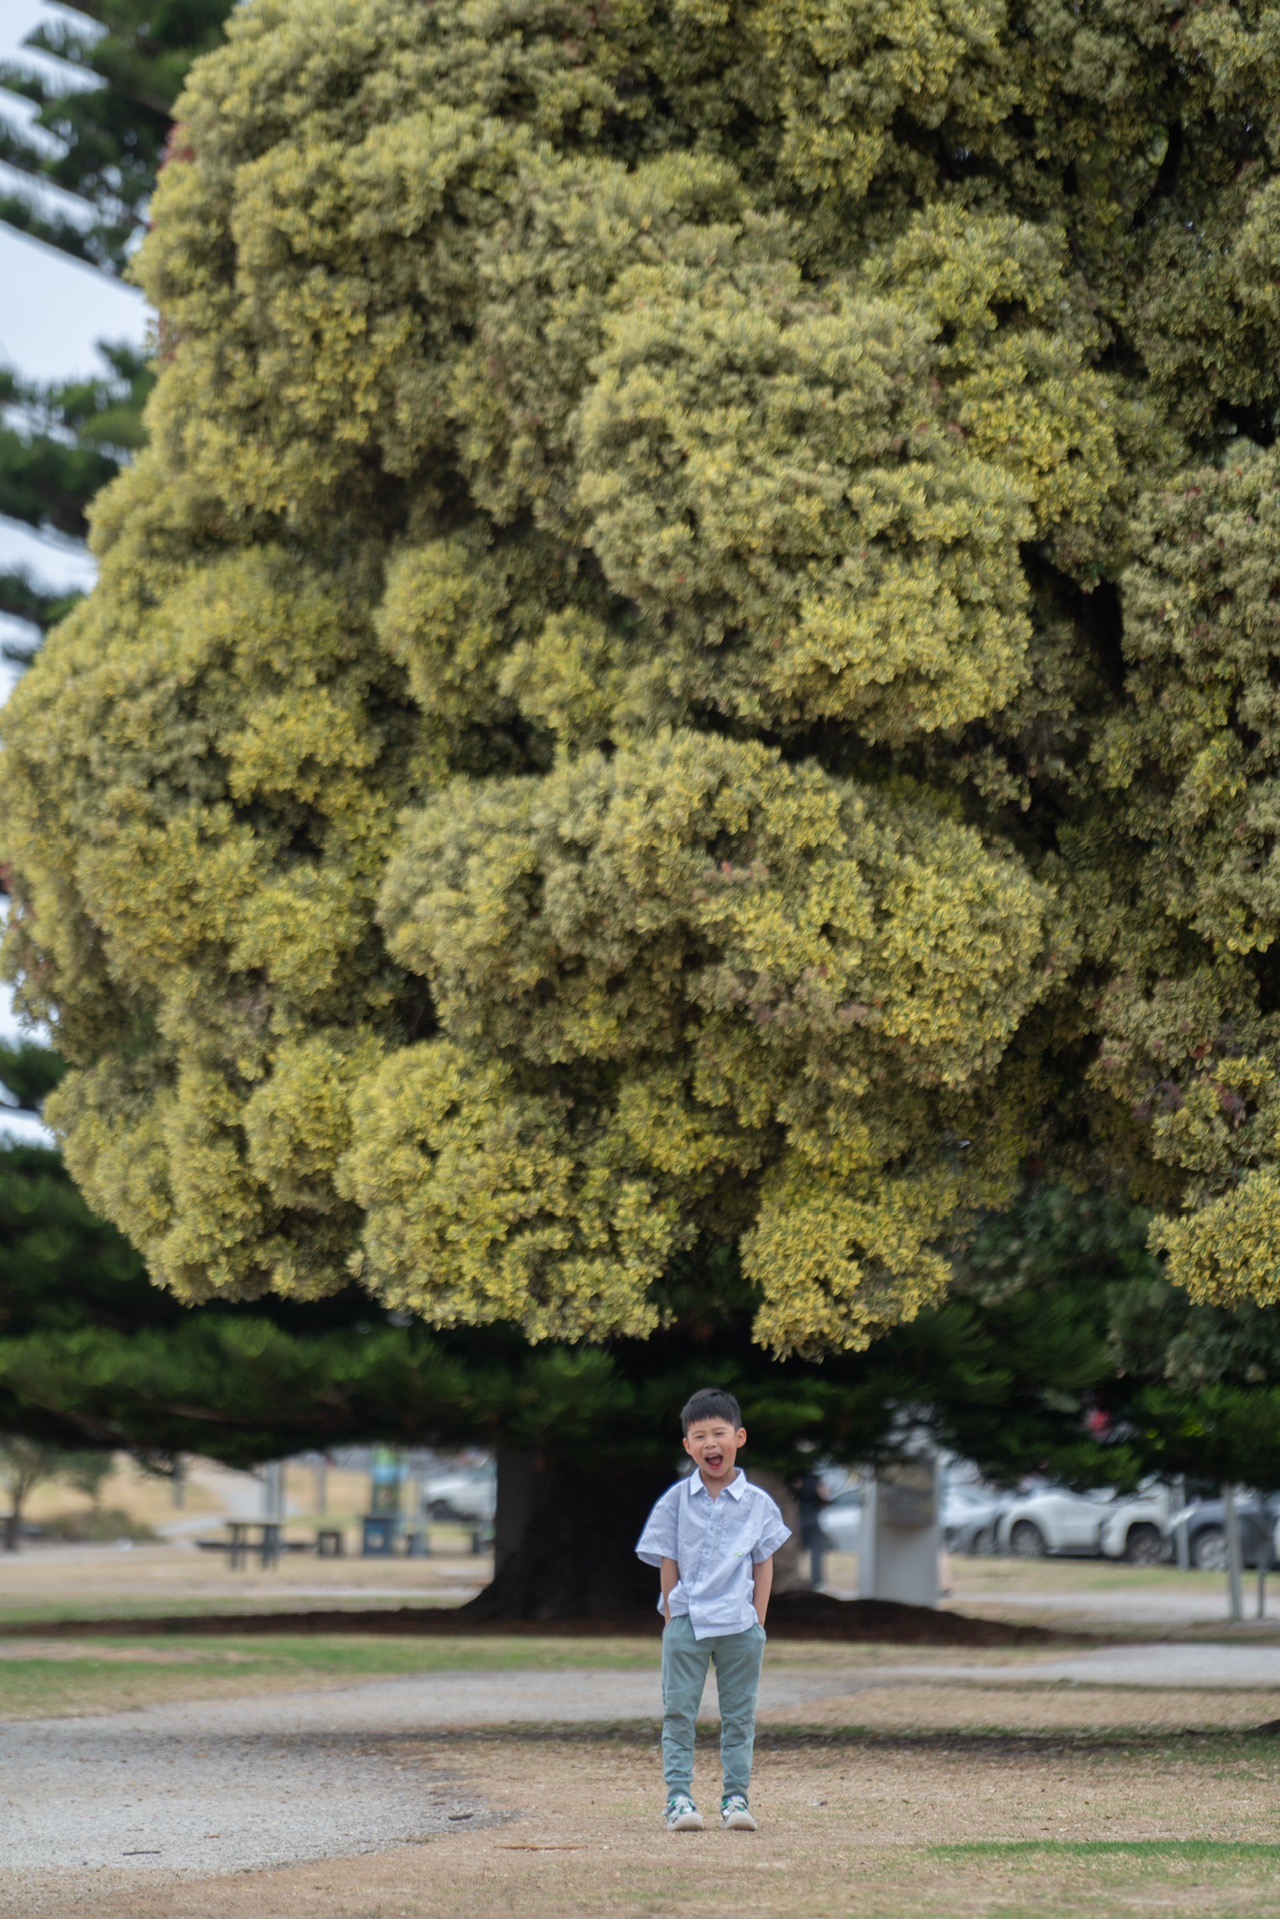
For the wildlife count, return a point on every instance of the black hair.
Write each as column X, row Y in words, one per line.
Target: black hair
column 709, row 1402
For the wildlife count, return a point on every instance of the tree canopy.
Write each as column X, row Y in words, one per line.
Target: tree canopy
column 691, row 660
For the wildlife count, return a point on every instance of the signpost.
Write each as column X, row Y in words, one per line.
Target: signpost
column 901, row 1534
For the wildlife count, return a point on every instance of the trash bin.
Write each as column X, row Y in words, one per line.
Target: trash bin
column 378, row 1535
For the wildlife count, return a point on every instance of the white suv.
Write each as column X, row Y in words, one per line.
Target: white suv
column 1133, row 1526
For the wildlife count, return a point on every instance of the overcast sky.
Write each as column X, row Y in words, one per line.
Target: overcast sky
column 52, row 311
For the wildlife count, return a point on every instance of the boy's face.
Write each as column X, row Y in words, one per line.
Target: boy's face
column 712, row 1445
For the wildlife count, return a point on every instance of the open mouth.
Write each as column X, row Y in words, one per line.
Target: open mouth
column 714, row 1461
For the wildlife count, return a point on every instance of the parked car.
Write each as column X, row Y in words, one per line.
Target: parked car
column 1136, row 1528
column 971, row 1515
column 1132, row 1526
column 842, row 1520
column 1205, row 1522
column 469, row 1496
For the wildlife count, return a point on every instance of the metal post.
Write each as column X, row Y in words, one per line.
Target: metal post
column 273, row 1490
column 1266, row 1546
column 322, row 1484
column 419, row 1518
column 1181, row 1544
column 1235, row 1558
column 868, row 1571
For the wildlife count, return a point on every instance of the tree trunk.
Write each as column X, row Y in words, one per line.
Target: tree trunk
column 565, row 1537
column 13, row 1523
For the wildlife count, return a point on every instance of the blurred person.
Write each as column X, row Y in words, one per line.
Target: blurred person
column 810, row 1498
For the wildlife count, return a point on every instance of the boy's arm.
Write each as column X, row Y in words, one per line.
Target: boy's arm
column 670, row 1580
column 762, row 1579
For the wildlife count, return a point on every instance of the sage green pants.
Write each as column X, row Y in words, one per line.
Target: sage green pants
column 737, row 1658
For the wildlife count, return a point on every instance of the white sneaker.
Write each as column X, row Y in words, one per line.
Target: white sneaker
column 735, row 1815
column 682, row 1815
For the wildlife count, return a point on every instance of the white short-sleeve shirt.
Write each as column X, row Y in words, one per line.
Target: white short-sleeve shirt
column 715, row 1543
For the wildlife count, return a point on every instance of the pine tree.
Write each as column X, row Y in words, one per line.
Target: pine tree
column 110, row 137
column 1182, row 1388
column 63, row 441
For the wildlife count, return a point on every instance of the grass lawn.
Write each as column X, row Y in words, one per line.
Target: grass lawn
column 52, row 1678
column 40, row 1679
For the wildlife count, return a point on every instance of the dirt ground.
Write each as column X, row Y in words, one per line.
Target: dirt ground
column 208, row 1491
column 892, row 1827
column 61, row 1582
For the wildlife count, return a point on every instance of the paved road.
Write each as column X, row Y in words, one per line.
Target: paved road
column 1138, row 1606
column 1180, row 1668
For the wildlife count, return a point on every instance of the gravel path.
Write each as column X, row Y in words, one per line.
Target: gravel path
column 78, row 1796
column 190, row 1790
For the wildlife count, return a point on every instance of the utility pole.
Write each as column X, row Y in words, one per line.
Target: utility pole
column 1235, row 1558
column 273, row 1490
column 1181, row 1544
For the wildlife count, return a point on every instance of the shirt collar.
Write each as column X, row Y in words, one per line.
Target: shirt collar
column 735, row 1488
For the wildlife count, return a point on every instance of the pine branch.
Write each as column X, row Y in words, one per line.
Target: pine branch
column 111, row 137
column 103, row 246
column 66, row 439
column 45, row 483
column 21, row 598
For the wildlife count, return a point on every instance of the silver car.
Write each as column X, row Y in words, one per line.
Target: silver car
column 470, row 1495
column 1102, row 1524
column 971, row 1515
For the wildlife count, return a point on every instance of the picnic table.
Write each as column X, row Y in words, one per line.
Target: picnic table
column 243, row 1543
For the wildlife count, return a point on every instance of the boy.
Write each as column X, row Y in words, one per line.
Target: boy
column 714, row 1536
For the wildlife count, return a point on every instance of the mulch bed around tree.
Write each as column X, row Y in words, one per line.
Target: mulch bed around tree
column 791, row 1616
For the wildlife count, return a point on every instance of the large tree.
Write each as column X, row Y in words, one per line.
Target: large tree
column 690, row 661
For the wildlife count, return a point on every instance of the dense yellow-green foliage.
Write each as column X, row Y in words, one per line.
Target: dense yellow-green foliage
column 695, row 655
